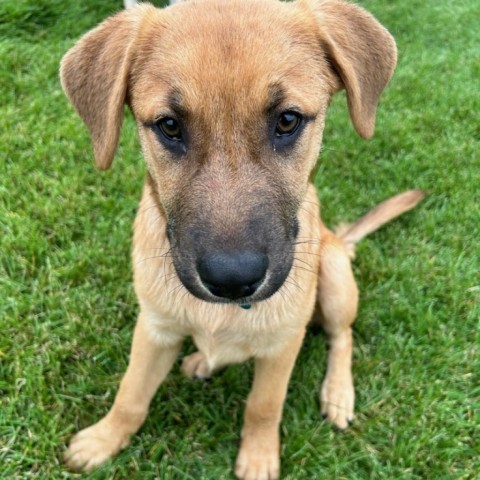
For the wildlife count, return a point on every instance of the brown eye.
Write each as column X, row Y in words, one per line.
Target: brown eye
column 287, row 124
column 170, row 128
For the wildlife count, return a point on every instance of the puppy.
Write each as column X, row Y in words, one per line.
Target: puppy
column 230, row 99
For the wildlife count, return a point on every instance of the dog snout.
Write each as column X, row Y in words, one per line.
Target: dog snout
column 233, row 275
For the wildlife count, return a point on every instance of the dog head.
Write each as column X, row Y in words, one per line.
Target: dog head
column 230, row 99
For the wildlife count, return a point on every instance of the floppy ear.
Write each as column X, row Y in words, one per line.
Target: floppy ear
column 94, row 75
column 362, row 53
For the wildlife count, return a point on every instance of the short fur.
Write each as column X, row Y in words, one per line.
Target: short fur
column 227, row 69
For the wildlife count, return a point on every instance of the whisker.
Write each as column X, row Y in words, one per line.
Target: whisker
column 309, row 242
column 168, row 275
column 151, row 258
column 174, row 288
column 165, row 262
column 309, row 201
column 166, row 254
column 313, row 215
column 185, row 293
column 303, row 261
column 285, row 290
column 306, row 254
column 322, row 250
column 178, row 291
column 146, row 209
column 156, row 220
column 290, row 281
column 306, row 269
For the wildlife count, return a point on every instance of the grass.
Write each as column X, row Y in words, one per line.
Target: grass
column 67, row 306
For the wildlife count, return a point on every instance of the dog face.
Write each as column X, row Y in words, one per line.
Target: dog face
column 230, row 99
column 230, row 150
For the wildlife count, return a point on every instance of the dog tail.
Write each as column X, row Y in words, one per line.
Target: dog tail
column 395, row 206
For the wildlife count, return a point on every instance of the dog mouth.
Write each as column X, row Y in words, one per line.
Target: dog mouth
column 235, row 275
column 228, row 288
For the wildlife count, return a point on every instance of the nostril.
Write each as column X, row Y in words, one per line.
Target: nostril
column 234, row 274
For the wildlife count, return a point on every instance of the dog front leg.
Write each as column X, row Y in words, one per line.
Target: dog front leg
column 259, row 455
column 338, row 299
column 150, row 362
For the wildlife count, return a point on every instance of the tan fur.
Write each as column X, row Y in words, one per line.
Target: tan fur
column 222, row 60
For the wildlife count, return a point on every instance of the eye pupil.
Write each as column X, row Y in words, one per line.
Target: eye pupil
column 287, row 124
column 170, row 128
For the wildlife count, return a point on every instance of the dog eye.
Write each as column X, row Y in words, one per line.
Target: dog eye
column 287, row 124
column 170, row 128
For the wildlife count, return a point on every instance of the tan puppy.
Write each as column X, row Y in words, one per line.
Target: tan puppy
column 230, row 98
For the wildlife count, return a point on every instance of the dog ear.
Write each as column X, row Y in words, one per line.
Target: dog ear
column 94, row 75
column 362, row 53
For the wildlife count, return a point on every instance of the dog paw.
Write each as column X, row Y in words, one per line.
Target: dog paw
column 196, row 366
column 337, row 399
column 93, row 446
column 258, row 461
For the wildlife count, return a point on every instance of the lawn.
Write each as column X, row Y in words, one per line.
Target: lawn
column 67, row 306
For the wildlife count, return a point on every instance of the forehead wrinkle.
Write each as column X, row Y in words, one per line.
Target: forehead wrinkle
column 276, row 96
column 176, row 104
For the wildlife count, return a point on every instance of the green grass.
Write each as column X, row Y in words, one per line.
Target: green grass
column 67, row 306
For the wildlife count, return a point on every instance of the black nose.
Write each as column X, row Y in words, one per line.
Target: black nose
column 233, row 275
